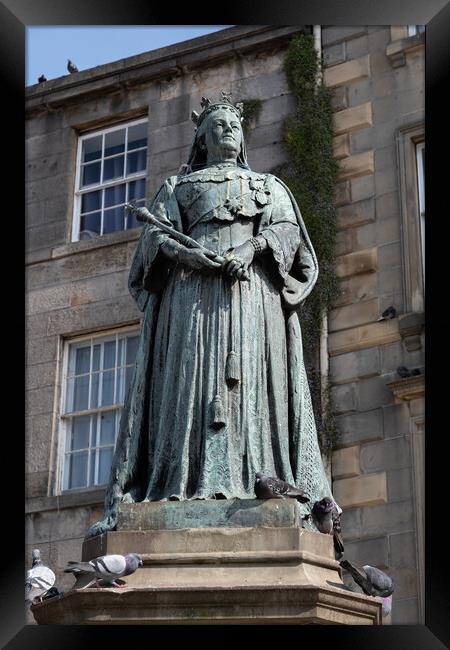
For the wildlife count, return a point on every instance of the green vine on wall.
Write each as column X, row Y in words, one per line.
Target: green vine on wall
column 311, row 174
column 250, row 113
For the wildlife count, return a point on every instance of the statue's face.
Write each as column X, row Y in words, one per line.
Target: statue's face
column 223, row 135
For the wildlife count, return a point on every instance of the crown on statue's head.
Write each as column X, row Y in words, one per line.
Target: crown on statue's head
column 209, row 107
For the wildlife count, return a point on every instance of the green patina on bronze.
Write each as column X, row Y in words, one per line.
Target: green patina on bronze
column 311, row 174
column 219, row 390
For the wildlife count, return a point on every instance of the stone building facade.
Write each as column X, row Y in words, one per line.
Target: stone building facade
column 78, row 260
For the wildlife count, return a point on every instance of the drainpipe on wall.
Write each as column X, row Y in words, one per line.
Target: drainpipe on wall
column 324, row 359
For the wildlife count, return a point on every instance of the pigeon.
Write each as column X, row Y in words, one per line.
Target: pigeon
column 372, row 581
column 267, row 487
column 40, row 579
column 51, row 593
column 328, row 521
column 42, row 78
column 104, row 570
column 388, row 313
column 404, row 372
column 71, row 66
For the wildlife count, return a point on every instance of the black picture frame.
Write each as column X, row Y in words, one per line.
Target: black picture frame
column 15, row 15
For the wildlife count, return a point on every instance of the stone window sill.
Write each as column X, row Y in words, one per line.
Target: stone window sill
column 397, row 50
column 75, row 499
column 110, row 239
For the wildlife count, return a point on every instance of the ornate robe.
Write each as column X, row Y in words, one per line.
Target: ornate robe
column 168, row 447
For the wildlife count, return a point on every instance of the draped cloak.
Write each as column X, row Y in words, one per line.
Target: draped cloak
column 167, row 447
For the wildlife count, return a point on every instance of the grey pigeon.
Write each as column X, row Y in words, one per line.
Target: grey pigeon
column 104, row 570
column 328, row 521
column 40, row 579
column 71, row 66
column 388, row 314
column 404, row 372
column 42, row 78
column 372, row 581
column 267, row 487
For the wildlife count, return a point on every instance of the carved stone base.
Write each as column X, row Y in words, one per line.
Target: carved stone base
column 232, row 574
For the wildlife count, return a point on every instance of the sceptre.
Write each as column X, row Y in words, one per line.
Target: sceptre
column 142, row 214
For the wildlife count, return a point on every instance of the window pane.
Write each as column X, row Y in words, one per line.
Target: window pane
column 90, row 174
column 92, row 148
column 114, row 142
column 83, row 360
column 80, row 432
column 136, row 161
column 109, row 354
column 136, row 189
column 90, row 223
column 93, row 455
column 137, row 136
column 108, row 388
column 81, row 392
column 132, row 343
column 96, row 357
column 113, row 219
column 114, row 195
column 112, row 168
column 105, row 460
column 78, row 470
column 107, row 427
column 91, row 201
column 95, row 382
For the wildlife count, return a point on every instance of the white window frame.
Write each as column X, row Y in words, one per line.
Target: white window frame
column 420, row 170
column 100, row 186
column 65, row 417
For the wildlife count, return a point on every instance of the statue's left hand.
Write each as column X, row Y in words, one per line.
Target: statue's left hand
column 241, row 258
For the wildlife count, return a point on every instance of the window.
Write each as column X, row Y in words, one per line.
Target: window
column 420, row 166
column 411, row 150
column 98, row 373
column 415, row 29
column 111, row 170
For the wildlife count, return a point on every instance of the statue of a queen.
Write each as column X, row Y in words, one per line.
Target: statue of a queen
column 219, row 389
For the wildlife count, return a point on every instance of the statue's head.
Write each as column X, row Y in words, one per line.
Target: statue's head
column 218, row 135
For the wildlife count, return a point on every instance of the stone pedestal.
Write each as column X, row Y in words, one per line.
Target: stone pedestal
column 212, row 562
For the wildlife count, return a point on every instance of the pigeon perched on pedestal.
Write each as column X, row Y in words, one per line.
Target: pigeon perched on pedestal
column 372, row 581
column 267, row 487
column 71, row 67
column 40, row 579
column 328, row 521
column 104, row 571
column 42, row 78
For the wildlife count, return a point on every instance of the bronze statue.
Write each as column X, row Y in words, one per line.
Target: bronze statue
column 219, row 391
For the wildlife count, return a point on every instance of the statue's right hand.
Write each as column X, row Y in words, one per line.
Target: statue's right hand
column 198, row 259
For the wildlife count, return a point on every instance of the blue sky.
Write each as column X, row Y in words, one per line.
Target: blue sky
column 48, row 48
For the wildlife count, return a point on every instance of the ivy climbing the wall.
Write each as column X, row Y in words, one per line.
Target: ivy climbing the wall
column 311, row 174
